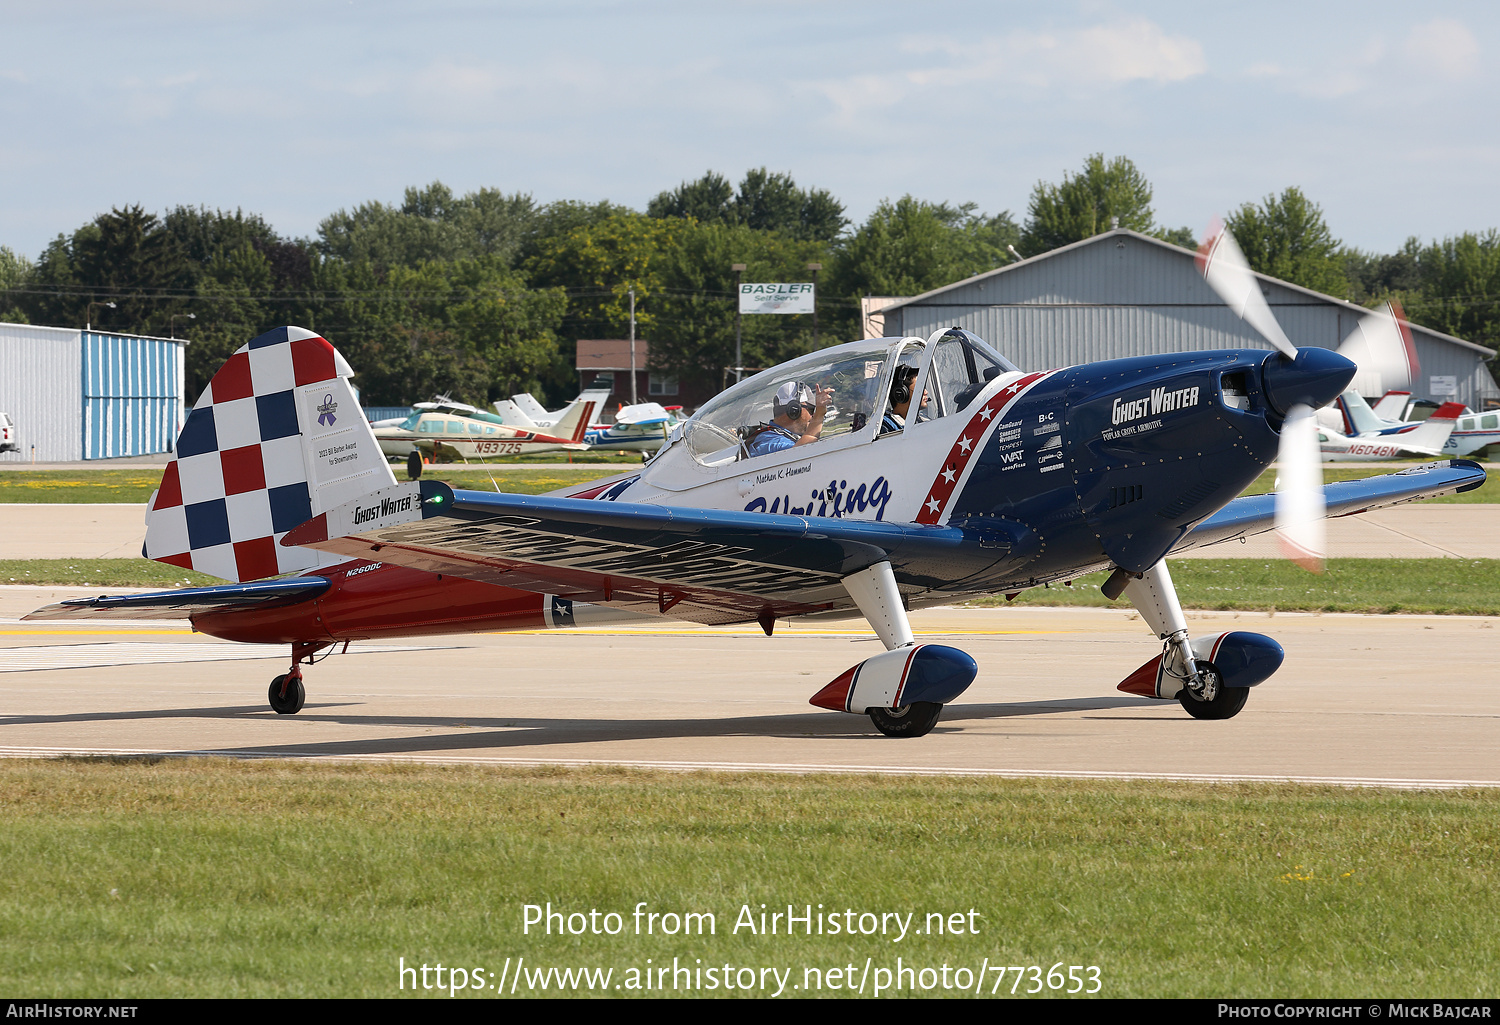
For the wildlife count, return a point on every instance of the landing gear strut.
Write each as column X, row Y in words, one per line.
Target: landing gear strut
column 287, row 693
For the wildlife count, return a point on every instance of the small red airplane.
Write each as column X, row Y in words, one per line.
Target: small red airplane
column 866, row 479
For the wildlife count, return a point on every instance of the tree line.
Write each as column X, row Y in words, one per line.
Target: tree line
column 482, row 295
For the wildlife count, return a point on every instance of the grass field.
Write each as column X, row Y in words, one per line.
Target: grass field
column 227, row 879
column 1450, row 586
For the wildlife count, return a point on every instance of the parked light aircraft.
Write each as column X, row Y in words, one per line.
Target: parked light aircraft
column 1372, row 438
column 865, row 479
column 642, row 427
column 1473, row 433
column 475, row 434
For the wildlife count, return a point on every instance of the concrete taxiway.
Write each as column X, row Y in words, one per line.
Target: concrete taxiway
column 1371, row 700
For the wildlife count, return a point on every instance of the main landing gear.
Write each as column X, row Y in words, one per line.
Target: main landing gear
column 287, row 693
column 1210, row 699
column 1202, row 694
column 914, row 720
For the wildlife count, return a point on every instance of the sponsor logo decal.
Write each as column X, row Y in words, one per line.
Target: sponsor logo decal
column 387, row 506
column 838, row 499
column 1161, row 400
column 326, row 409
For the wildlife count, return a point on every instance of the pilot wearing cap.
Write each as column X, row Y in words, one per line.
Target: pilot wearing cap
column 798, row 418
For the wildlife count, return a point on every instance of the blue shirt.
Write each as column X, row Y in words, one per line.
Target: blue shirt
column 773, row 439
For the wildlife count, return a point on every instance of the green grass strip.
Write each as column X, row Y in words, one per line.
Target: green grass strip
column 196, row 878
column 1469, row 587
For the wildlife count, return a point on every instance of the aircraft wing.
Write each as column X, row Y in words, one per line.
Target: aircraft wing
column 701, row 565
column 1245, row 517
column 188, row 601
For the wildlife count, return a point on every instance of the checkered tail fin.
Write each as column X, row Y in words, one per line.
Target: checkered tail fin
column 276, row 438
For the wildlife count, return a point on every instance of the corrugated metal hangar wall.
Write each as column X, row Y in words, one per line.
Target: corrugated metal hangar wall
column 1124, row 294
column 88, row 395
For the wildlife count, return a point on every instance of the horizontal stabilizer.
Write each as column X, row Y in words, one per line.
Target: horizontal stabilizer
column 188, row 601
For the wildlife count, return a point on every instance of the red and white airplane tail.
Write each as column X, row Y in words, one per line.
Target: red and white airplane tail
column 276, row 438
column 1432, row 434
column 575, row 421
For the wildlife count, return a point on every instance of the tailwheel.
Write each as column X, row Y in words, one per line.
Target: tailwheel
column 914, row 720
column 1212, row 700
column 287, row 694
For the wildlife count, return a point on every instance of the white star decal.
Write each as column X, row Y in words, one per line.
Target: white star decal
column 948, row 476
column 933, row 505
column 986, row 413
column 964, row 443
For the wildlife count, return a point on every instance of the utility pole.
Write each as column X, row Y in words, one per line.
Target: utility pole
column 815, row 267
column 738, row 268
column 633, row 397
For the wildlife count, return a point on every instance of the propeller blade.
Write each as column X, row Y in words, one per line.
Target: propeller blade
column 1300, row 506
column 1381, row 346
column 1225, row 269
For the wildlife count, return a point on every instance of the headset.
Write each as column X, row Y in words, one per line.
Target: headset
column 901, row 385
column 803, row 401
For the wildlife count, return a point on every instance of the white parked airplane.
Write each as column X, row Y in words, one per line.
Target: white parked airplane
column 1474, row 433
column 1373, row 440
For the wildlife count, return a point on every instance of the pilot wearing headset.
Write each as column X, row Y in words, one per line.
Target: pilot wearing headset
column 895, row 416
column 798, row 418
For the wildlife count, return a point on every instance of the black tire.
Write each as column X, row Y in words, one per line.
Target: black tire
column 413, row 465
column 291, row 704
column 1226, row 703
column 914, row 720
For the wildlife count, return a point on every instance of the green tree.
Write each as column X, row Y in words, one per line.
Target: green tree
column 471, row 329
column 707, row 200
column 1287, row 238
column 1084, row 205
column 911, row 246
column 430, row 224
column 1459, row 286
column 15, row 274
column 765, row 201
column 696, row 307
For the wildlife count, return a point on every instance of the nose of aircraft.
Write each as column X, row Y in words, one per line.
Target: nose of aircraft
column 1315, row 378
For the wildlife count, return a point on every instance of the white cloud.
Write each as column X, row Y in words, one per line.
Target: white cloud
column 1443, row 47
column 1099, row 56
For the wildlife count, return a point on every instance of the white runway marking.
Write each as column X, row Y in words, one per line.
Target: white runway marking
column 787, row 768
column 128, row 653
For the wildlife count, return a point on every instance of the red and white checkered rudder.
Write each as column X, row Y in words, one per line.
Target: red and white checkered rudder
column 276, row 438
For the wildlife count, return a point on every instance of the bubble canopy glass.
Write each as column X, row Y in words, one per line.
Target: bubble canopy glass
column 858, row 372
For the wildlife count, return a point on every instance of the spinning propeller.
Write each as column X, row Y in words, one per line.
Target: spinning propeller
column 1300, row 381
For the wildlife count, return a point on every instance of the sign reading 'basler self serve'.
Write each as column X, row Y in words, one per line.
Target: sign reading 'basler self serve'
column 777, row 297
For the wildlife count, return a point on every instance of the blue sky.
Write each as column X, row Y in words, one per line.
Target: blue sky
column 1384, row 114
